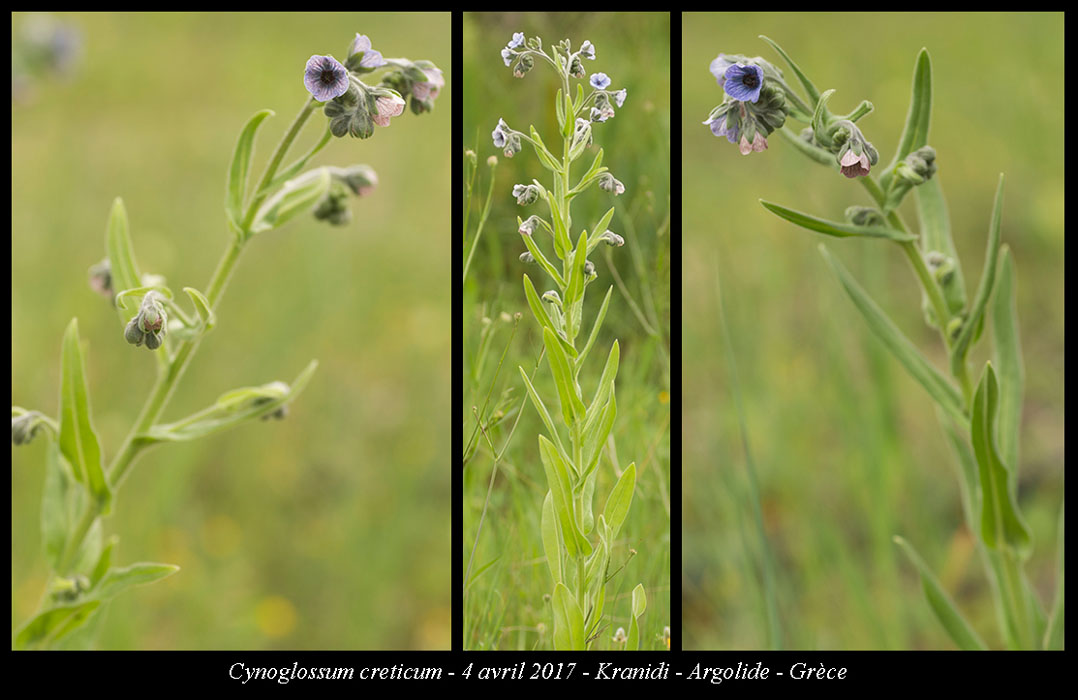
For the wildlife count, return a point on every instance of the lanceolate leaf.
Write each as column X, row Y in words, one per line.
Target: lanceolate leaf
column 984, row 288
column 936, row 235
column 557, row 475
column 1008, row 352
column 594, row 329
column 551, row 540
column 572, row 408
column 938, row 387
column 835, row 228
column 121, row 254
column 119, row 580
column 237, row 173
column 203, row 307
column 640, row 603
column 568, row 620
column 1001, row 522
column 295, row 197
column 960, row 631
column 57, row 504
column 621, row 497
column 536, row 305
column 78, row 442
column 915, row 133
column 54, row 624
column 540, row 408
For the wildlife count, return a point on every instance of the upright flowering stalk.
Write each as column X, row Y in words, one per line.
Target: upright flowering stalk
column 981, row 420
column 579, row 543
column 80, row 486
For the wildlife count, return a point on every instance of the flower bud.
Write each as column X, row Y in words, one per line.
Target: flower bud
column 149, row 324
column 525, row 194
column 552, row 297
column 864, row 216
column 527, row 258
column 524, row 63
column 492, row 161
column 612, row 239
column 589, row 268
column 101, row 278
column 25, row 427
column 528, row 226
column 620, row 637
column 360, row 179
column 608, row 183
column 576, row 68
column 333, row 207
column 587, row 50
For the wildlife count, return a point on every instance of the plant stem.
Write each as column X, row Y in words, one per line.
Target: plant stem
column 167, row 380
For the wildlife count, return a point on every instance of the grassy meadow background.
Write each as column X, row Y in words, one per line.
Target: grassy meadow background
column 504, row 599
column 846, row 446
column 326, row 530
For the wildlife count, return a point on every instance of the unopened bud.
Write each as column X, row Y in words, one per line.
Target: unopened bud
column 612, row 239
column 25, row 427
column 609, row 183
column 864, row 216
column 525, row 194
column 527, row 258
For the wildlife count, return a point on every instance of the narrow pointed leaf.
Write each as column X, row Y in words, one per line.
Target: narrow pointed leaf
column 835, row 228
column 121, row 253
column 918, row 117
column 1001, row 523
column 810, row 89
column 557, row 474
column 541, row 409
column 237, row 172
column 568, row 620
column 984, row 288
column 295, row 197
column 572, row 408
column 536, row 305
column 551, row 540
column 620, row 499
column 78, row 441
column 594, row 329
column 960, row 631
column 57, row 504
column 54, row 624
column 936, row 236
column 203, row 307
column 549, row 268
column 1008, row 355
column 118, row 580
column 937, row 386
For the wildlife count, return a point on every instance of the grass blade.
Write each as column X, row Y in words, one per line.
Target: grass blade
column 835, row 228
column 947, row 613
column 937, row 386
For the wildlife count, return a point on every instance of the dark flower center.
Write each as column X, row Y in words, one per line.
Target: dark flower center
column 328, row 76
column 749, row 80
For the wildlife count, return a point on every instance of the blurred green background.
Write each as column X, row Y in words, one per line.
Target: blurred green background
column 504, row 605
column 329, row 529
column 846, row 445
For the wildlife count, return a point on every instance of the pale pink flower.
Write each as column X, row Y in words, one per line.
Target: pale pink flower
column 759, row 143
column 852, row 165
column 388, row 106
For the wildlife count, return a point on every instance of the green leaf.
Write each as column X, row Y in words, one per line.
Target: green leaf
column 549, row 528
column 915, row 133
column 530, row 244
column 58, row 501
column 232, row 409
column 640, row 602
column 118, row 580
column 619, row 500
column 596, row 433
column 557, row 475
column 536, row 305
column 288, row 173
column 295, row 197
column 1001, row 523
column 946, row 611
column 203, row 307
column 237, row 173
column 600, row 228
column 984, row 288
column 810, row 89
column 938, row 386
column 104, row 562
column 835, row 228
column 1053, row 633
column 123, row 298
column 540, row 407
column 606, row 381
column 568, row 620
column 54, row 624
column 559, row 108
column 594, row 329
column 1008, row 356
column 546, row 158
column 562, row 245
column 121, row 253
column 936, row 236
column 78, row 442
column 576, row 274
column 572, row 408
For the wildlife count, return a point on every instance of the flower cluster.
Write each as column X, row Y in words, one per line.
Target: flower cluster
column 506, row 139
column 754, row 105
column 149, row 324
column 354, row 107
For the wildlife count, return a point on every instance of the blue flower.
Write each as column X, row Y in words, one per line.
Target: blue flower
column 518, row 39
column 599, row 81
column 619, row 97
column 719, row 65
column 723, row 125
column 507, row 55
column 587, row 50
column 325, row 78
column 371, row 59
column 743, row 83
column 500, row 134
